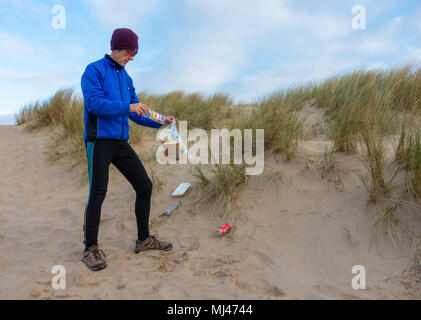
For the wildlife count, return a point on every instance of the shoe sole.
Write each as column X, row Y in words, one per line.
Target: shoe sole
column 95, row 269
column 147, row 249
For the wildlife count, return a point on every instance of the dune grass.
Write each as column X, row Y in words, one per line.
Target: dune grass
column 48, row 113
column 361, row 110
column 220, row 185
column 67, row 138
column 197, row 110
column 26, row 114
column 157, row 182
column 349, row 98
column 278, row 116
column 63, row 114
column 330, row 171
column 377, row 124
column 408, row 156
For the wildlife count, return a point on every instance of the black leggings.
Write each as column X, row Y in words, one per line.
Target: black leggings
column 100, row 154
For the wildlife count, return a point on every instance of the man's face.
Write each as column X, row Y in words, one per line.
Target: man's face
column 122, row 57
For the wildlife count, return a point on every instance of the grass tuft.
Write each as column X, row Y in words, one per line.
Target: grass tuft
column 222, row 186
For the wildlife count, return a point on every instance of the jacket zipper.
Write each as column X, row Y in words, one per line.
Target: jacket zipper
column 121, row 95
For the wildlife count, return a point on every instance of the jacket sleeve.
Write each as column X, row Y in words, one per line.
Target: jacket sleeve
column 94, row 95
column 143, row 121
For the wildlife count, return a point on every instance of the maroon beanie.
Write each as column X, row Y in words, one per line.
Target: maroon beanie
column 123, row 38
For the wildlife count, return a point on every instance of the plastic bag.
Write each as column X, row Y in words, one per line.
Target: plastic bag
column 172, row 141
column 169, row 133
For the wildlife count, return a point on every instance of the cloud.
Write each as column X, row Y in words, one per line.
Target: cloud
column 414, row 56
column 281, row 75
column 256, row 18
column 130, row 13
column 246, row 48
column 218, row 40
column 255, row 46
column 42, row 79
column 13, row 45
column 24, row 7
column 397, row 20
column 18, row 88
column 32, row 70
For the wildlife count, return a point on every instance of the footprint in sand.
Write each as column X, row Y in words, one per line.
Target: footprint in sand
column 216, row 268
column 262, row 259
column 258, row 286
column 64, row 212
column 273, row 290
column 191, row 243
column 166, row 266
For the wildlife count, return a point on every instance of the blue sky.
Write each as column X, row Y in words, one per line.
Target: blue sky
column 245, row 48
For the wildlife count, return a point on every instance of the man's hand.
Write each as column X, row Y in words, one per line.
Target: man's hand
column 168, row 120
column 139, row 108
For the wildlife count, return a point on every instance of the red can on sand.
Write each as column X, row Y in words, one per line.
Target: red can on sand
column 223, row 229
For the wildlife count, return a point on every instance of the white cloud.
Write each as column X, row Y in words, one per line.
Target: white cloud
column 73, row 49
column 35, row 63
column 245, row 48
column 377, row 46
column 41, row 79
column 218, row 43
column 325, row 27
column 129, row 13
column 246, row 16
column 224, row 36
column 254, row 86
column 32, row 70
column 23, row 7
column 414, row 56
column 397, row 20
column 12, row 45
column 262, row 18
column 196, row 68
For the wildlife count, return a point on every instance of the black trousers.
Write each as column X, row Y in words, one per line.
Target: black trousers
column 100, row 154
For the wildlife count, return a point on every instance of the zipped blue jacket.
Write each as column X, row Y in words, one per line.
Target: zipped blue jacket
column 108, row 92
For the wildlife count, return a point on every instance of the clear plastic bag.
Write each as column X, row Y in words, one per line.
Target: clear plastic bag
column 172, row 141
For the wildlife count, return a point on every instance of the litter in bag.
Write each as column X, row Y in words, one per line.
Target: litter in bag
column 172, row 141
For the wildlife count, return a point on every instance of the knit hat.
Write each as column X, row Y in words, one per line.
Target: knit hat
column 123, row 38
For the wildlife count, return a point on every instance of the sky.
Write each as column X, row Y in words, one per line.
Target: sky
column 245, row 48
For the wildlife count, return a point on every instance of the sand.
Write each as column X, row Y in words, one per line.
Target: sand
column 297, row 239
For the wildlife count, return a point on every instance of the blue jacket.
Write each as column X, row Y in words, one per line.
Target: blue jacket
column 108, row 92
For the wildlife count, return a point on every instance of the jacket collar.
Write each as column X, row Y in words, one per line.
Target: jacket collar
column 110, row 61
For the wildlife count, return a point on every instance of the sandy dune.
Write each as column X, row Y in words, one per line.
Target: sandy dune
column 297, row 240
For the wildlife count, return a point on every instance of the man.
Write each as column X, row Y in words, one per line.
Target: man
column 110, row 100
